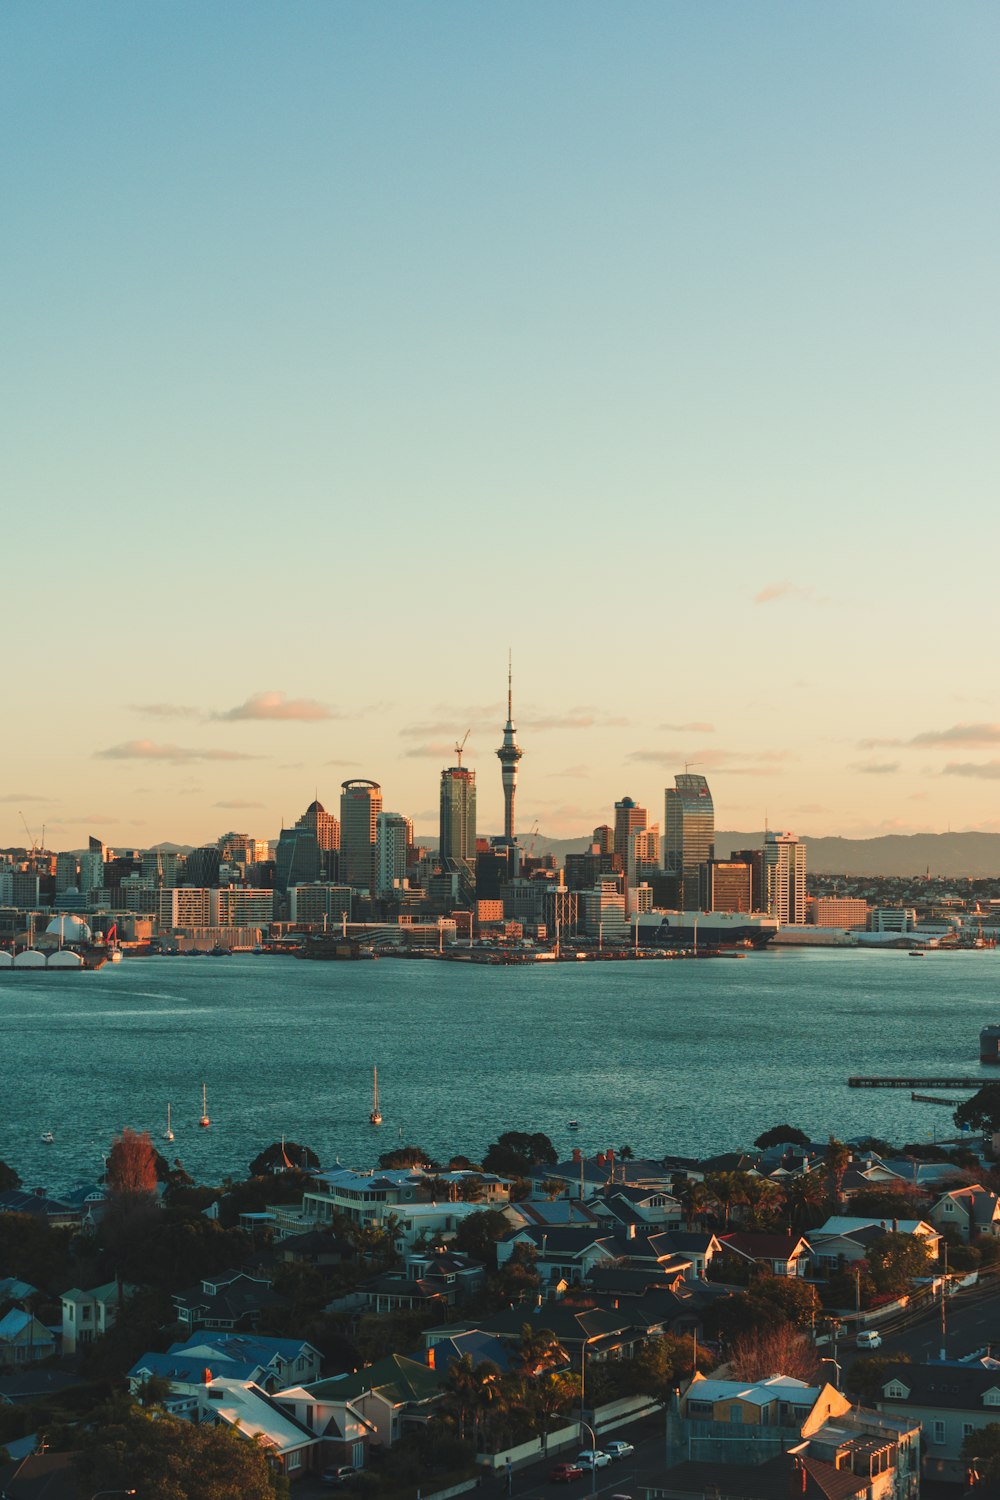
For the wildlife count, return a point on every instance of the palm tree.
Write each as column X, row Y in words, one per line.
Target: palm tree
column 694, row 1197
column 462, row 1388
column 555, row 1391
column 727, row 1189
column 803, row 1195
column 536, row 1350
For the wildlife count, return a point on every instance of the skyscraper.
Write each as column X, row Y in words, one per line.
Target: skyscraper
column 324, row 825
column 458, row 818
column 628, row 818
column 393, row 837
column 784, row 878
column 360, row 805
column 689, row 835
column 509, row 754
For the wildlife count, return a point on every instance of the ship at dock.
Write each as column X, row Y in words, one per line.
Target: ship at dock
column 704, row 929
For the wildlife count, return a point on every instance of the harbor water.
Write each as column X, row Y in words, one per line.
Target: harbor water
column 684, row 1057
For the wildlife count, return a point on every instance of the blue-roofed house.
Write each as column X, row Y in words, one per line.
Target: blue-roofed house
column 283, row 1361
column 23, row 1339
column 14, row 1290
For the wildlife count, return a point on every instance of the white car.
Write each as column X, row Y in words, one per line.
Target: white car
column 869, row 1338
column 592, row 1458
column 619, row 1449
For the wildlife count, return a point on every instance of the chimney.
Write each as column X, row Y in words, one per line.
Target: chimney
column 206, row 1376
column 601, row 1159
column 797, row 1477
column 577, row 1155
column 430, row 1356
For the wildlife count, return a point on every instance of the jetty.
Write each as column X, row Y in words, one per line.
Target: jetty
column 916, row 1083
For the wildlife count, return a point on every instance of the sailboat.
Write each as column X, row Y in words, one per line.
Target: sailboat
column 168, row 1134
column 376, row 1114
column 204, row 1122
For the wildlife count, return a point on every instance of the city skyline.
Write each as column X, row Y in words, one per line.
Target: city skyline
column 309, row 307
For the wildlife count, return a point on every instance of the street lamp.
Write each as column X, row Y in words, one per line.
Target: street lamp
column 826, row 1360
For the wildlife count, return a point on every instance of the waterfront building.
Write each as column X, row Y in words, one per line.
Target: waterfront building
column 584, row 870
column 360, row 805
column 727, row 885
column 457, row 846
column 755, row 859
column 239, row 906
column 182, row 906
column 688, row 836
column 393, row 841
column 202, row 866
column 92, row 867
column 319, row 904
column 561, row 912
column 784, row 876
column 839, row 911
column 602, row 911
column 509, row 754
column 67, row 872
column 299, row 858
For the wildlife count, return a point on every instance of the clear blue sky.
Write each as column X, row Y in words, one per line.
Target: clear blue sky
column 346, row 344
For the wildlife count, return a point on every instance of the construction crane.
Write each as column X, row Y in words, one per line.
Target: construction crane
column 460, row 747
column 531, row 847
column 34, row 841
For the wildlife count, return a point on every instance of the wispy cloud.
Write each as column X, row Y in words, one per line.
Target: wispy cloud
column 719, row 762
column 434, row 751
column 570, row 773
column 988, row 770
column 876, row 767
column 173, row 754
column 574, row 718
column 167, row 710
column 236, row 804
column 276, row 706
column 772, row 593
column 959, row 734
column 16, row 797
column 696, row 727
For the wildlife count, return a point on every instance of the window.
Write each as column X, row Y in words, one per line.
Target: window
column 939, row 1432
column 992, row 1398
column 736, row 1414
column 294, row 1461
column 968, row 1429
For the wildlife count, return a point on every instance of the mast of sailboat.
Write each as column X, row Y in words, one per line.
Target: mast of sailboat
column 204, row 1107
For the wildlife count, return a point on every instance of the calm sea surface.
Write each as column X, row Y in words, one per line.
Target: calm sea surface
column 684, row 1057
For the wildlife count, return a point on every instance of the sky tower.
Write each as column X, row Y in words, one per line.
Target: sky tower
column 509, row 754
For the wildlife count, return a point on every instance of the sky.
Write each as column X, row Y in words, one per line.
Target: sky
column 346, row 347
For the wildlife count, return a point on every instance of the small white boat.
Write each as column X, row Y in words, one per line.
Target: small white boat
column 204, row 1122
column 48, row 1138
column 376, row 1115
column 573, row 1125
column 168, row 1134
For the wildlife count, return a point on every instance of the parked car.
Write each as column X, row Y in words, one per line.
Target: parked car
column 869, row 1338
column 337, row 1476
column 565, row 1473
column 593, row 1458
column 618, row 1449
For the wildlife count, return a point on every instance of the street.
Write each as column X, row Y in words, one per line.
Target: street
column 972, row 1321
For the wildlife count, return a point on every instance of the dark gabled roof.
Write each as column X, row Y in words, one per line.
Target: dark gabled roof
column 628, row 1281
column 767, row 1481
column 559, row 1239
column 959, row 1387
column 691, row 1241
column 18, row 1202
column 730, row 1161
column 763, row 1246
column 401, row 1380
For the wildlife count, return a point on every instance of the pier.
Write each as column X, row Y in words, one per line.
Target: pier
column 916, row 1083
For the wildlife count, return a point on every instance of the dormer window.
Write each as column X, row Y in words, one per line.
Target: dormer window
column 896, row 1390
column 992, row 1397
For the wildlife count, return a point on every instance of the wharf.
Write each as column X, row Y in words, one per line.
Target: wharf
column 916, row 1083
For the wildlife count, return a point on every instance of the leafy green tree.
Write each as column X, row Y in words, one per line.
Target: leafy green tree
column 9, row 1180
column 796, row 1299
column 981, row 1112
column 162, row 1458
column 726, row 1189
column 537, row 1349
column 835, row 1161
column 404, row 1156
column 31, row 1250
column 515, row 1152
column 895, row 1259
column 380, row 1334
column 981, row 1451
column 478, row 1234
column 284, row 1156
column 781, row 1135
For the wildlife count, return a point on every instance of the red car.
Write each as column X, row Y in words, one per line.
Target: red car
column 564, row 1473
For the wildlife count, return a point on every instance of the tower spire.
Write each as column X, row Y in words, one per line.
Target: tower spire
column 509, row 754
column 510, row 685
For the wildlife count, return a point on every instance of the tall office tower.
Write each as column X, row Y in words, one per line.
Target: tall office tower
column 324, row 825
column 509, row 754
column 604, row 837
column 688, row 836
column 201, row 868
column 393, row 837
column 755, row 859
column 727, row 885
column 643, row 859
column 628, row 818
column 360, row 805
column 92, row 867
column 298, row 860
column 458, row 818
column 785, row 878
column 67, row 872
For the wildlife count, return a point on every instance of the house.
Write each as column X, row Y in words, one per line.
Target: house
column 250, row 1412
column 14, row 1290
column 313, row 1247
column 225, row 1300
column 86, row 1315
column 842, row 1240
column 724, row 1422
column 458, row 1274
column 23, row 1339
column 37, row 1205
column 783, row 1254
column 369, row 1198
column 563, row 1253
column 375, row 1405
column 950, row 1401
column 281, row 1360
column 642, row 1207
column 792, row 1474
column 970, row 1210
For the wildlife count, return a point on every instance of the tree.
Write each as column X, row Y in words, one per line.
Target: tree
column 403, row 1156
column 478, row 1234
column 795, row 1298
column 895, row 1259
column 9, row 1180
column 163, row 1458
column 804, row 1196
column 537, row 1350
column 779, row 1348
column 284, row 1156
column 981, row 1451
column 517, row 1151
column 835, row 1160
column 866, row 1376
column 781, row 1135
column 727, row 1189
column 132, row 1165
column 981, row 1112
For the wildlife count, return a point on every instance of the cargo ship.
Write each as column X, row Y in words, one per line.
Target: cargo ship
column 704, row 929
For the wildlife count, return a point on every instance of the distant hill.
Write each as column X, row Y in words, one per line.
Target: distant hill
column 947, row 854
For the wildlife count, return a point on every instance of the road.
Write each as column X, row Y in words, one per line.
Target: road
column 972, row 1320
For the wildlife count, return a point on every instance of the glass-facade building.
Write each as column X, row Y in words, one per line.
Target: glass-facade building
column 689, row 836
